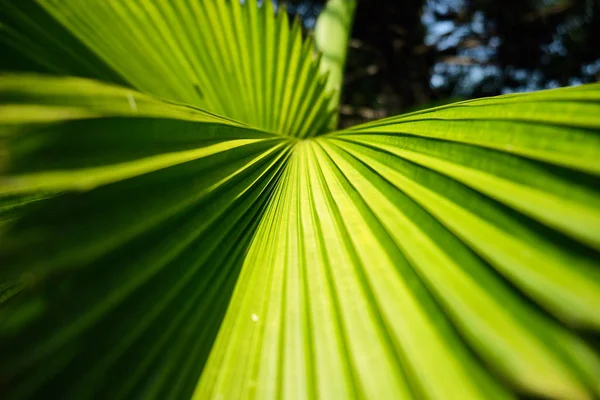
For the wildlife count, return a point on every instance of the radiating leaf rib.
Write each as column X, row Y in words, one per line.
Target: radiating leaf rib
column 447, row 253
column 480, row 310
column 89, row 178
column 201, row 52
column 390, row 295
column 281, row 65
column 210, row 198
column 571, row 287
column 9, row 289
column 86, row 169
column 213, row 55
column 90, row 98
column 46, row 46
column 184, row 351
column 13, row 206
column 370, row 381
column 294, row 66
column 427, row 209
column 259, row 314
column 267, row 60
column 143, row 302
column 520, row 125
column 541, row 198
column 303, row 81
column 254, row 34
column 91, row 244
column 583, row 93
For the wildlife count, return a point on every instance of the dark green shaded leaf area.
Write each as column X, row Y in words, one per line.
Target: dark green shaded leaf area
column 151, row 255
column 158, row 245
column 33, row 41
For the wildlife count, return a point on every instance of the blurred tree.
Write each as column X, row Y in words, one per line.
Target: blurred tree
column 411, row 53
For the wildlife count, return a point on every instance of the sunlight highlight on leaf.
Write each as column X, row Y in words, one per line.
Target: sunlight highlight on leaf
column 195, row 233
column 221, row 56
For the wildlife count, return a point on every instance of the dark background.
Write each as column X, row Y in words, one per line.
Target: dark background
column 410, row 54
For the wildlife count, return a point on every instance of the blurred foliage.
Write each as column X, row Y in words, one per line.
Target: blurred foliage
column 407, row 54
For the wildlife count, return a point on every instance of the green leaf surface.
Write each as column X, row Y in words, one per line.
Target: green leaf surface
column 170, row 210
column 169, row 242
column 33, row 41
column 237, row 60
column 391, row 260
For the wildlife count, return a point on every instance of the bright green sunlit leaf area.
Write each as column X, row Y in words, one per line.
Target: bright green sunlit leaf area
column 179, row 219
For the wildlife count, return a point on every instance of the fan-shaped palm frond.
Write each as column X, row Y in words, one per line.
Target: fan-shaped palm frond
column 187, row 228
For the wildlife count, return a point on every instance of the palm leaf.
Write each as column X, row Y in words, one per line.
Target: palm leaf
column 216, row 176
column 33, row 41
column 400, row 251
column 218, row 55
column 155, row 249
